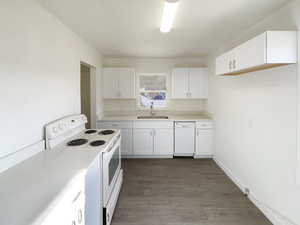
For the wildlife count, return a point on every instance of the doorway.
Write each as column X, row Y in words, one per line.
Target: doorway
column 85, row 92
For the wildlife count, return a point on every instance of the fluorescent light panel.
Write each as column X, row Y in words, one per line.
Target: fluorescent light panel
column 168, row 16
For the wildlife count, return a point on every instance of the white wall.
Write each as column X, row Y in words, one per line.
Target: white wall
column 256, row 126
column 154, row 65
column 39, row 72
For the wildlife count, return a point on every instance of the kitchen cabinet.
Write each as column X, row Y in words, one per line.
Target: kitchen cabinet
column 270, row 49
column 204, row 136
column 190, row 83
column 143, row 142
column 180, row 83
column 163, row 142
column 153, row 139
column 126, row 134
column 118, row 83
column 126, row 141
column 223, row 62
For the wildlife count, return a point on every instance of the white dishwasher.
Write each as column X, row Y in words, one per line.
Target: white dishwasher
column 184, row 139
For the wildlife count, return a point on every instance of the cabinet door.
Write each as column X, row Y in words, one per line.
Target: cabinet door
column 163, row 142
column 143, row 141
column 251, row 54
column 110, row 83
column 223, row 63
column 180, row 83
column 127, row 83
column 204, row 142
column 126, row 141
column 198, row 83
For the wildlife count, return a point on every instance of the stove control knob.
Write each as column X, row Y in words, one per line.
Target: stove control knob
column 60, row 126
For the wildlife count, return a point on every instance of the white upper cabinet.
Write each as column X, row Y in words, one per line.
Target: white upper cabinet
column 127, row 83
column 180, row 83
column 190, row 83
column 110, row 83
column 118, row 83
column 222, row 63
column 270, row 49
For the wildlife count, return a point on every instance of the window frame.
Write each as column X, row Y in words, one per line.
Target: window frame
column 138, row 105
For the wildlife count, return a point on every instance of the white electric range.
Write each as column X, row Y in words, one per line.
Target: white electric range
column 69, row 133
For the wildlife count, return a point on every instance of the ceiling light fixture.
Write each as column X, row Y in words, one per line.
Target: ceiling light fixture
column 168, row 15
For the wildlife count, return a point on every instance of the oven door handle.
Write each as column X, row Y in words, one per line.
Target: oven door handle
column 113, row 146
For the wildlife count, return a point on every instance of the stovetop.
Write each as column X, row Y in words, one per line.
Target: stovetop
column 97, row 139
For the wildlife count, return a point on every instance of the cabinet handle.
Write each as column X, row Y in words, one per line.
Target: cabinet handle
column 230, row 64
column 234, row 62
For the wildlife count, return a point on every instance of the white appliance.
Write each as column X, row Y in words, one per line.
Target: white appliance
column 184, row 139
column 70, row 208
column 69, row 133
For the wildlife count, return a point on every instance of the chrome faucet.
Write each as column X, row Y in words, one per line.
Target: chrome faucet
column 152, row 113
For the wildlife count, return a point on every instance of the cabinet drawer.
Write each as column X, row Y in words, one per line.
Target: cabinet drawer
column 153, row 124
column 204, row 124
column 115, row 124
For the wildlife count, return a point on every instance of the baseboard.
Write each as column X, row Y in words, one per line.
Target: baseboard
column 21, row 155
column 203, row 156
column 230, row 175
column 147, row 156
column 274, row 216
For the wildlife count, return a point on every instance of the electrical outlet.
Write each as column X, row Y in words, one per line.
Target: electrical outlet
column 247, row 191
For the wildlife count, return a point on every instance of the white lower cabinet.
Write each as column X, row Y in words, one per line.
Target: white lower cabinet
column 156, row 138
column 163, row 142
column 153, row 139
column 204, row 136
column 143, row 141
column 126, row 141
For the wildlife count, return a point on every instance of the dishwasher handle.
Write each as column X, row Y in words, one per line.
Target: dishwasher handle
column 184, row 124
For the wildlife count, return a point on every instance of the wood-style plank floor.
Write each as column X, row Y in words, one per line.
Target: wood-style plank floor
column 181, row 192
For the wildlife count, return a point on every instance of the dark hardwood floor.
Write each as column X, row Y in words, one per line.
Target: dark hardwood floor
column 181, row 192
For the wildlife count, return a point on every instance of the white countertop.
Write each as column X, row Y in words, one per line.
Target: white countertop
column 29, row 189
column 171, row 118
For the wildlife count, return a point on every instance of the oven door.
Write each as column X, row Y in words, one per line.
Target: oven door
column 111, row 169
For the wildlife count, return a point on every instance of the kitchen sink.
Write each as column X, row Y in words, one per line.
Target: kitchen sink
column 153, row 117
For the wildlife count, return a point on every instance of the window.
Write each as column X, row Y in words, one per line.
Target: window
column 152, row 88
